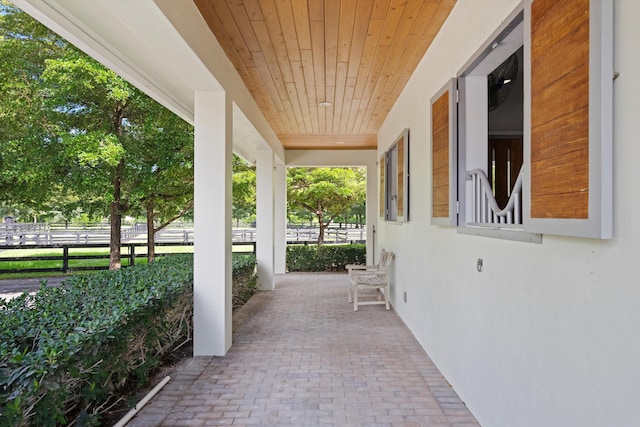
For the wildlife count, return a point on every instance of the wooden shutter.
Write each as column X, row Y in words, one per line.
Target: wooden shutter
column 568, row 141
column 444, row 156
column 402, row 150
column 400, row 172
column 383, row 188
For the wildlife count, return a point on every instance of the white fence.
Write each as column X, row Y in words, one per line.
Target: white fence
column 25, row 234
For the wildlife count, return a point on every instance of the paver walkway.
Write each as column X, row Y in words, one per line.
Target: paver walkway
column 302, row 356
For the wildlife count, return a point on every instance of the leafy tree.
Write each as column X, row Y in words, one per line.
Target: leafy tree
column 163, row 159
column 358, row 213
column 24, row 129
column 72, row 124
column 92, row 110
column 325, row 192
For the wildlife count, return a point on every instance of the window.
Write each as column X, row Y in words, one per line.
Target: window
column 505, row 136
column 534, row 124
column 491, row 107
column 394, row 180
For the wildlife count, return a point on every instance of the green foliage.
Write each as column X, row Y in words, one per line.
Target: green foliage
column 68, row 350
column 244, row 189
column 325, row 193
column 162, row 160
column 78, row 138
column 24, row 130
column 244, row 278
column 324, row 257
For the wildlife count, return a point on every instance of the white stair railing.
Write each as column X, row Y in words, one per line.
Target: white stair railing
column 485, row 209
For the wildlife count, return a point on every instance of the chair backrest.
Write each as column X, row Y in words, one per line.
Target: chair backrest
column 385, row 259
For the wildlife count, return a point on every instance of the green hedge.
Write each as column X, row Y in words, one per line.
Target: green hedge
column 244, row 278
column 324, row 257
column 67, row 353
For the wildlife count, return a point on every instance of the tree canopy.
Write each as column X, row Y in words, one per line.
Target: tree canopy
column 244, row 189
column 24, row 47
column 325, row 192
column 77, row 134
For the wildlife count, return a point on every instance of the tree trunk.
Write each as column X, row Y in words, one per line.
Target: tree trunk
column 151, row 235
column 116, row 221
column 321, row 227
column 116, row 233
column 115, row 241
column 116, row 206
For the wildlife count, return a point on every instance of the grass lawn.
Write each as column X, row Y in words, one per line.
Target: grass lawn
column 7, row 268
column 10, row 269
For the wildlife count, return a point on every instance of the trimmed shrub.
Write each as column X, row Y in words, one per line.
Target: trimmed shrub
column 324, row 257
column 67, row 353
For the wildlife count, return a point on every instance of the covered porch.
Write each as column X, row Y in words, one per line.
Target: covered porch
column 314, row 92
column 528, row 334
column 302, row 356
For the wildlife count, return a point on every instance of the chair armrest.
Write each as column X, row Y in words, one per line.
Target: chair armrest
column 367, row 273
column 359, row 267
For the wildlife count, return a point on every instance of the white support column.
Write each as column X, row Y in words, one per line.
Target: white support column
column 212, row 222
column 264, row 218
column 372, row 212
column 280, row 219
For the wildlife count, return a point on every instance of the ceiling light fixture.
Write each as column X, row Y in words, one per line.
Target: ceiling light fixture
column 339, row 142
column 325, row 104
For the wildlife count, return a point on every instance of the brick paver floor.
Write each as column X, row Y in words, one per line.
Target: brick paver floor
column 302, row 356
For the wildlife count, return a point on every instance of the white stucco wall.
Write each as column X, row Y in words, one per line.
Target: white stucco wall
column 547, row 334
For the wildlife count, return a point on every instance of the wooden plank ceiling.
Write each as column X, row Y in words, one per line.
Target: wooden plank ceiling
column 296, row 56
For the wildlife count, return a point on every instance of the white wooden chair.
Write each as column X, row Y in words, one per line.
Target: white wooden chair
column 370, row 277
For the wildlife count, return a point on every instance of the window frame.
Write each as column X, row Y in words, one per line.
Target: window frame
column 396, row 179
column 473, row 123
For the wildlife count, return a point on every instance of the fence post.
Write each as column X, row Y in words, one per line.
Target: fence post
column 132, row 255
column 65, row 259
